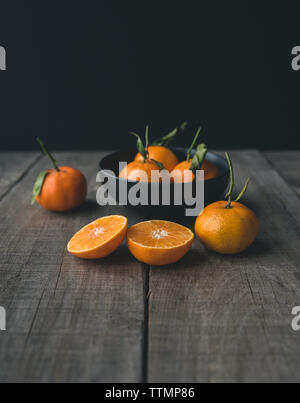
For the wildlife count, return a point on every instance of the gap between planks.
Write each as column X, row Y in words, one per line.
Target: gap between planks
column 116, row 332
column 260, row 286
column 147, row 295
column 145, row 347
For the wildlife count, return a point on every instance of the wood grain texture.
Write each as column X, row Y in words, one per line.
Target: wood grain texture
column 13, row 167
column 288, row 166
column 209, row 318
column 228, row 319
column 68, row 320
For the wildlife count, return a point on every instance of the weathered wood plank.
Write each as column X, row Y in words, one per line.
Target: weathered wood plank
column 67, row 320
column 287, row 164
column 228, row 319
column 13, row 166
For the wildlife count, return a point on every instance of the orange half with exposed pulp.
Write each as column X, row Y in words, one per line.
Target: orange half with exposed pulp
column 159, row 243
column 100, row 238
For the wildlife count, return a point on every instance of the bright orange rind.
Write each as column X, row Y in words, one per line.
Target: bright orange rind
column 100, row 238
column 159, row 243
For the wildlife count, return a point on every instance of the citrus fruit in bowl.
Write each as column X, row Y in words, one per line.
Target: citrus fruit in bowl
column 162, row 154
column 214, row 188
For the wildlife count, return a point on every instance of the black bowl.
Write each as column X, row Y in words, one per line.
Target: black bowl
column 214, row 189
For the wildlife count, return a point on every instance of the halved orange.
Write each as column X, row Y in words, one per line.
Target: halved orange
column 159, row 243
column 100, row 238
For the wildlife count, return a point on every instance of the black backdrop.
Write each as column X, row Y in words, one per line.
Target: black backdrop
column 80, row 74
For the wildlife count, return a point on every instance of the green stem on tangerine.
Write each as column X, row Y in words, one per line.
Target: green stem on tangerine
column 198, row 158
column 230, row 191
column 143, row 149
column 147, row 139
column 229, row 194
column 188, row 156
column 140, row 146
column 46, row 152
column 243, row 190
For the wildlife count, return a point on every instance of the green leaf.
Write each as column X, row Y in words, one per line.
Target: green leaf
column 198, row 158
column 188, row 156
column 167, row 139
column 159, row 164
column 140, row 146
column 46, row 152
column 38, row 185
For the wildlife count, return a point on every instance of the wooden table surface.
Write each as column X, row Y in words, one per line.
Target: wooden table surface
column 208, row 318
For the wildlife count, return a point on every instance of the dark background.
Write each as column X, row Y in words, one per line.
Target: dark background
column 82, row 73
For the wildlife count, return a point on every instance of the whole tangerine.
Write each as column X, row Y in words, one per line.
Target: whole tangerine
column 210, row 170
column 59, row 189
column 161, row 154
column 227, row 227
column 185, row 170
column 227, row 230
column 159, row 151
column 139, row 171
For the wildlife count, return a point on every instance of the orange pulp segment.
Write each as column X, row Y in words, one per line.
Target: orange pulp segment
column 100, row 238
column 159, row 243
